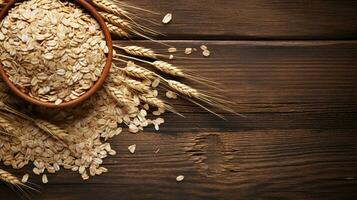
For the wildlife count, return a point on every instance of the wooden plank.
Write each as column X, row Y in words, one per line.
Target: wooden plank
column 255, row 19
column 274, row 164
column 298, row 141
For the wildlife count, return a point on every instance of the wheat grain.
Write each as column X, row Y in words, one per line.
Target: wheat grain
column 117, row 31
column 139, row 51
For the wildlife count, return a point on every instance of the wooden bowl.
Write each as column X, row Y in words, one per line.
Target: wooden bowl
column 92, row 11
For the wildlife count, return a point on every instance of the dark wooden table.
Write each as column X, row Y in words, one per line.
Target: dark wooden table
column 292, row 67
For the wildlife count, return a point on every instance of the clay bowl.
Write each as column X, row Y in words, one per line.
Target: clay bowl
column 92, row 11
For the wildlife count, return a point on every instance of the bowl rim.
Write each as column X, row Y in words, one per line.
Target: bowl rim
column 97, row 85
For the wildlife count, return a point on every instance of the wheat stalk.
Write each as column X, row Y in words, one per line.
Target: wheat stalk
column 9, row 109
column 190, row 92
column 117, row 31
column 172, row 70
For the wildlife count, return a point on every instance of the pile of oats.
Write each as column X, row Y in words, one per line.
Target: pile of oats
column 52, row 50
column 88, row 134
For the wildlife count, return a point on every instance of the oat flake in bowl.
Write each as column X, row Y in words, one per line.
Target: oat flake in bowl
column 52, row 50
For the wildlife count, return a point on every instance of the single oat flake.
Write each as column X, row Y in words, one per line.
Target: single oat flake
column 167, row 18
column 180, row 178
column 132, row 148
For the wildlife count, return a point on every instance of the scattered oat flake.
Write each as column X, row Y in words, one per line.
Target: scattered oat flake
column 203, row 47
column 58, row 101
column 180, row 178
column 206, row 53
column 132, row 148
column 172, row 50
column 188, row 51
column 44, row 179
column 167, row 18
column 25, row 178
column 155, row 83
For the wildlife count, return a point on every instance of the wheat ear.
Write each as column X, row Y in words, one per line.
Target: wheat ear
column 13, row 181
column 8, row 127
column 115, row 20
column 131, row 83
column 119, row 96
column 53, row 130
column 9, row 109
column 47, row 127
column 172, row 70
column 209, row 99
column 117, row 31
column 126, row 5
column 118, row 21
column 138, row 51
column 136, row 71
column 110, row 7
column 7, row 177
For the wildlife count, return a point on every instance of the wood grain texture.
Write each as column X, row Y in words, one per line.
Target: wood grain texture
column 256, row 19
column 298, row 142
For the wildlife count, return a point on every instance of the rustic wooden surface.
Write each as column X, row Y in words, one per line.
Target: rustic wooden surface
column 299, row 139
